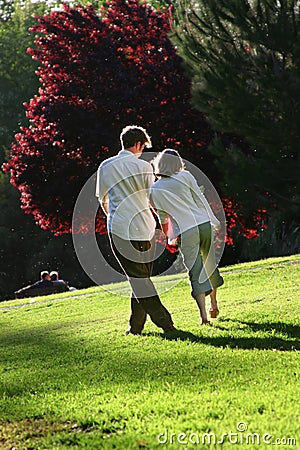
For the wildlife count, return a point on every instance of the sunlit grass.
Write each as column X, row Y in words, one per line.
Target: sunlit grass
column 69, row 378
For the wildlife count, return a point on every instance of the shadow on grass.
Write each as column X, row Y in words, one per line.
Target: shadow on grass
column 292, row 331
column 45, row 361
column 270, row 342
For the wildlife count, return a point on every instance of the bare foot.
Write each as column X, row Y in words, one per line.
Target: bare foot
column 213, row 313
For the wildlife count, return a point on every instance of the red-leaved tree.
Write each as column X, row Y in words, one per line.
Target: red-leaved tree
column 98, row 73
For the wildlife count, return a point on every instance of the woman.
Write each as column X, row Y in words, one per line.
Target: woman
column 184, row 212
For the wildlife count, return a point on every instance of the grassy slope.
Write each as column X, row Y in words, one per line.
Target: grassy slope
column 70, row 379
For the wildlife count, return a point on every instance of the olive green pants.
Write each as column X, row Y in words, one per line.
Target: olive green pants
column 197, row 249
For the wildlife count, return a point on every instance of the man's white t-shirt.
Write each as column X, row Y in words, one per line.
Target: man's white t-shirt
column 127, row 180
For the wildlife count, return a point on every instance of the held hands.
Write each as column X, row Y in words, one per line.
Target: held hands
column 172, row 245
column 173, row 242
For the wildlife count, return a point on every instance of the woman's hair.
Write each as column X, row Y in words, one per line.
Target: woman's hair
column 132, row 134
column 167, row 163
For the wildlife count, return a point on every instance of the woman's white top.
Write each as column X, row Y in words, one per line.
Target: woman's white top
column 178, row 198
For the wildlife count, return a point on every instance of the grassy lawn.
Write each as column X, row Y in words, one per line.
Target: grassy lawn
column 70, row 379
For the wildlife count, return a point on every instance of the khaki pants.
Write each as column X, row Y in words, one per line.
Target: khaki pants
column 199, row 258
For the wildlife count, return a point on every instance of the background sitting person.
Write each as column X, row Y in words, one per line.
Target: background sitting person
column 44, row 285
column 44, row 282
column 56, row 281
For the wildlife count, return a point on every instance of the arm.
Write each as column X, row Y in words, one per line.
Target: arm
column 165, row 227
column 162, row 215
column 164, row 220
column 149, row 176
column 149, row 179
column 201, row 201
column 172, row 245
column 104, row 202
column 101, row 191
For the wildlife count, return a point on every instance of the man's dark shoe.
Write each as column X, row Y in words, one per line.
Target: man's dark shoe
column 172, row 332
column 129, row 331
column 169, row 328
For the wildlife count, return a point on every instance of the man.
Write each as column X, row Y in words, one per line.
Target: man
column 44, row 282
column 43, row 286
column 56, row 282
column 123, row 184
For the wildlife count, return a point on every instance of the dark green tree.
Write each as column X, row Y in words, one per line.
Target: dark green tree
column 25, row 249
column 244, row 57
column 18, row 81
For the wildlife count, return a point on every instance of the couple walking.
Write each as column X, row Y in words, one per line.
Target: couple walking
column 124, row 187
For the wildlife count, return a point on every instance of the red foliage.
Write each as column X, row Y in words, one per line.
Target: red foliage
column 236, row 222
column 97, row 74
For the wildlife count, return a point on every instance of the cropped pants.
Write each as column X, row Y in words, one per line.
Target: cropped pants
column 198, row 253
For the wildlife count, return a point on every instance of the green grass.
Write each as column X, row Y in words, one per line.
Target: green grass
column 69, row 379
